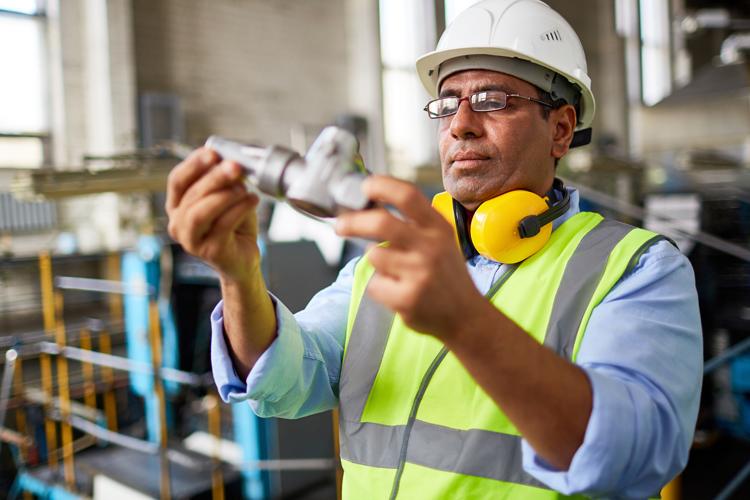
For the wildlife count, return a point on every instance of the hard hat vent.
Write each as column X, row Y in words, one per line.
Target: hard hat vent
column 551, row 36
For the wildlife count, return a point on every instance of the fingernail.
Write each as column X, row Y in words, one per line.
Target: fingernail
column 230, row 169
column 207, row 157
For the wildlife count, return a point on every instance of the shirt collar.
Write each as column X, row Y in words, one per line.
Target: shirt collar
column 572, row 209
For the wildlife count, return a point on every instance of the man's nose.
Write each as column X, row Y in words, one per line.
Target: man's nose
column 466, row 122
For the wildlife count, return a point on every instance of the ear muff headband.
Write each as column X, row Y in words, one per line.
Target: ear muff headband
column 508, row 228
column 530, row 226
column 463, row 230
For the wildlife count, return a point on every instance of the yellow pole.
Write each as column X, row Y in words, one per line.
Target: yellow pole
column 50, row 429
column 48, row 301
column 673, row 489
column 89, row 388
column 20, row 411
column 110, row 403
column 155, row 329
column 64, row 390
column 21, row 415
column 214, row 428
column 48, row 314
column 114, row 299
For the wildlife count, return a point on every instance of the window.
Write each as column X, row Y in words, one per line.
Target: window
column 24, row 120
column 656, row 60
column 407, row 30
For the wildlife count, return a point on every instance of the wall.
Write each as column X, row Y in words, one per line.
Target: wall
column 250, row 69
column 594, row 21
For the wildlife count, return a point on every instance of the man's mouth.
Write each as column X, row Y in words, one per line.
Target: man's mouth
column 467, row 159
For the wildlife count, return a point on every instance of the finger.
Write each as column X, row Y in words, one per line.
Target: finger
column 377, row 225
column 221, row 176
column 392, row 262
column 386, row 290
column 186, row 173
column 230, row 220
column 200, row 216
column 405, row 196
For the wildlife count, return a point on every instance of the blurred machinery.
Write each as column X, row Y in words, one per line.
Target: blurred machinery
column 183, row 447
column 700, row 199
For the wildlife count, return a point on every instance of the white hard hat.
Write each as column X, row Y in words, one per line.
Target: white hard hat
column 530, row 39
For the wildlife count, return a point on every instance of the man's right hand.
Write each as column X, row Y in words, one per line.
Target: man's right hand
column 212, row 215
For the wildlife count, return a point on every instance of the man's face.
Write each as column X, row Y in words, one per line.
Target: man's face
column 486, row 154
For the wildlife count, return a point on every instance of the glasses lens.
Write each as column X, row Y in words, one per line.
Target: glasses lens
column 442, row 107
column 489, row 101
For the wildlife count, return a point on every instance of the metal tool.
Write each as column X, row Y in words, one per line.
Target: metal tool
column 324, row 183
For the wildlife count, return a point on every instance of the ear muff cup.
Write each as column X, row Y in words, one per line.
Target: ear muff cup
column 443, row 203
column 494, row 226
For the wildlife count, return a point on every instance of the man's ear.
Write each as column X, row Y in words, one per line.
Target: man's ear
column 563, row 120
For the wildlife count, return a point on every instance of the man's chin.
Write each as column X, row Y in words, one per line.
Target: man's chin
column 471, row 199
column 469, row 203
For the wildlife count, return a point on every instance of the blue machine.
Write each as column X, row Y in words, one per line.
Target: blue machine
column 142, row 267
column 740, row 370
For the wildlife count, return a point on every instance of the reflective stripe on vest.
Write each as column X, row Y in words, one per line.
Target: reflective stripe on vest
column 467, row 452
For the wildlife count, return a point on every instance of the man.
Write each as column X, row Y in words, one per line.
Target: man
column 575, row 369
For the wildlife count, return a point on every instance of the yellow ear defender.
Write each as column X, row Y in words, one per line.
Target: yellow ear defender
column 508, row 228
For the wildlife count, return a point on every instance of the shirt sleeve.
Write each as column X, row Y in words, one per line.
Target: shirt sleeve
column 298, row 374
column 643, row 353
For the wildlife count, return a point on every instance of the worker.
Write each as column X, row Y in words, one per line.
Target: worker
column 561, row 357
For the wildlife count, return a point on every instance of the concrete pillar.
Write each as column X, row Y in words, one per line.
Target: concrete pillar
column 365, row 79
column 93, row 95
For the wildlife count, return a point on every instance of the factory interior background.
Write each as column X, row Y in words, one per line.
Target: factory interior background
column 100, row 99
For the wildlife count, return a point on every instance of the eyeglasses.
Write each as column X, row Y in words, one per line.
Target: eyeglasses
column 487, row 100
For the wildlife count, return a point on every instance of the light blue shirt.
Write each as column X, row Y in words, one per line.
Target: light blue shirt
column 642, row 351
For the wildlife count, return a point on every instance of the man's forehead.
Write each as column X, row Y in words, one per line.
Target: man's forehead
column 475, row 80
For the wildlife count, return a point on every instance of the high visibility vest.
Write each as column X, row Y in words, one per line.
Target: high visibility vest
column 414, row 424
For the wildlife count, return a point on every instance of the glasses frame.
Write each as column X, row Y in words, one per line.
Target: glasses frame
column 473, row 100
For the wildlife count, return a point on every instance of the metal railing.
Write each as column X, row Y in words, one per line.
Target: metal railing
column 61, row 409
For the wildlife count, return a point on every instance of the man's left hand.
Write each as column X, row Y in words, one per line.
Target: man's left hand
column 420, row 273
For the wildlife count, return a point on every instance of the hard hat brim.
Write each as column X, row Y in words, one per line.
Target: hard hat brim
column 428, row 64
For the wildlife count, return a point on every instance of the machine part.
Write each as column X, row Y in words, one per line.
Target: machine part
column 325, row 183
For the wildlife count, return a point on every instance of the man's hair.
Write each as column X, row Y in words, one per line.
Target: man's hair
column 547, row 97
